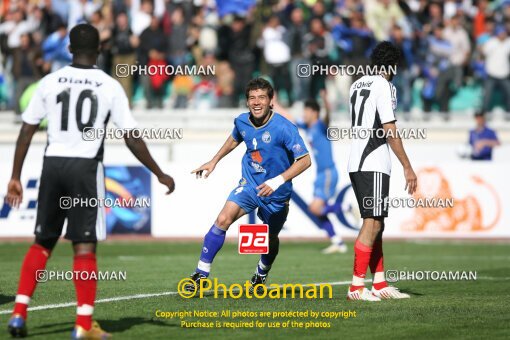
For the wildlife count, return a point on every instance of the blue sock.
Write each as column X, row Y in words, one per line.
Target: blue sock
column 331, row 208
column 327, row 226
column 213, row 241
column 262, row 268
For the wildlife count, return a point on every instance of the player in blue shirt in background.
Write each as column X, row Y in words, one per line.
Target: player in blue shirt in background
column 482, row 139
column 327, row 176
column 275, row 154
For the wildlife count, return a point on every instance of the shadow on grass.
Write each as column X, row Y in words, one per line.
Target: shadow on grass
column 411, row 292
column 123, row 324
column 46, row 329
column 111, row 326
column 5, row 299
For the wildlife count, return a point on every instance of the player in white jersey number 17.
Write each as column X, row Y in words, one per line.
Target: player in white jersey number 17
column 373, row 101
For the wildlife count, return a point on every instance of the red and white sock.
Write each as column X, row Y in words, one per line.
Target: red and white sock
column 35, row 260
column 85, row 289
column 361, row 260
column 377, row 266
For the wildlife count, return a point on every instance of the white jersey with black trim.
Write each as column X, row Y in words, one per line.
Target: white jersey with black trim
column 372, row 102
column 73, row 99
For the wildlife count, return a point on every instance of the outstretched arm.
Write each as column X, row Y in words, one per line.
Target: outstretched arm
column 14, row 188
column 139, row 149
column 398, row 149
column 229, row 145
column 270, row 186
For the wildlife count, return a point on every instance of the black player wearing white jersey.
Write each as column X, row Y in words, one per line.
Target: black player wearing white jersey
column 75, row 98
column 372, row 104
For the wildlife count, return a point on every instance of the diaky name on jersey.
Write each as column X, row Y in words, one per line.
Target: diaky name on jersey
column 84, row 81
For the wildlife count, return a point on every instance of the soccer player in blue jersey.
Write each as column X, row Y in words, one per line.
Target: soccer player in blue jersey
column 327, row 175
column 275, row 154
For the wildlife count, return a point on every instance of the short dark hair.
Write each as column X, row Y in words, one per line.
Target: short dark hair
column 312, row 104
column 385, row 55
column 239, row 18
column 480, row 113
column 84, row 38
column 259, row 84
column 60, row 24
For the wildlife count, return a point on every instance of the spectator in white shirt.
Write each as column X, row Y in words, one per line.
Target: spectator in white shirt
column 141, row 17
column 458, row 38
column 277, row 55
column 497, row 65
column 16, row 27
column 80, row 11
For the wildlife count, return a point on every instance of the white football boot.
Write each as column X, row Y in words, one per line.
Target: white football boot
column 389, row 292
column 362, row 294
column 335, row 248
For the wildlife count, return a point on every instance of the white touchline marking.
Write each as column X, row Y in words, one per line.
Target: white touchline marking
column 143, row 296
column 492, row 278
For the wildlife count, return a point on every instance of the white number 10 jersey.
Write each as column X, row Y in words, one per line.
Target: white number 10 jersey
column 74, row 99
column 372, row 101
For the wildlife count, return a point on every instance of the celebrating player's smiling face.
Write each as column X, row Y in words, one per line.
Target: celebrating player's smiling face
column 259, row 104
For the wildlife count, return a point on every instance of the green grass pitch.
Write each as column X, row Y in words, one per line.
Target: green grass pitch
column 437, row 309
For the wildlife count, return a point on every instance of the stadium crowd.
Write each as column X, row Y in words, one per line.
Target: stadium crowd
column 446, row 46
